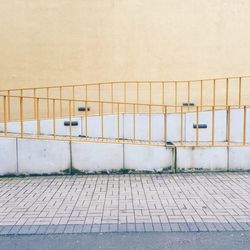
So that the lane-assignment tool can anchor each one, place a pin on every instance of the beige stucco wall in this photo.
(47, 42)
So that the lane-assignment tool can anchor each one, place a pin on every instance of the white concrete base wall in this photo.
(43, 157)
(147, 158)
(8, 156)
(239, 158)
(126, 122)
(205, 134)
(110, 126)
(205, 158)
(91, 157)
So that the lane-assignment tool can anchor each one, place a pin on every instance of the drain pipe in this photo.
(171, 145)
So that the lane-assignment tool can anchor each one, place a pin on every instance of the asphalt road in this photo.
(127, 241)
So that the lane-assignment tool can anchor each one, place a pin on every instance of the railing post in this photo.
(74, 106)
(37, 118)
(188, 95)
(54, 118)
(5, 115)
(226, 92)
(239, 92)
(228, 125)
(112, 97)
(118, 121)
(201, 97)
(99, 97)
(70, 119)
(214, 86)
(134, 128)
(8, 105)
(149, 129)
(125, 96)
(245, 125)
(163, 96)
(34, 99)
(48, 111)
(86, 119)
(165, 124)
(150, 93)
(175, 96)
(137, 96)
(21, 115)
(181, 126)
(213, 126)
(102, 121)
(60, 101)
(197, 124)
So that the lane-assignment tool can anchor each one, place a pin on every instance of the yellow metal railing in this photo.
(135, 98)
(31, 125)
(213, 92)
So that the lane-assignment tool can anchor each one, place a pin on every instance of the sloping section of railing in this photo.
(209, 112)
(207, 92)
(146, 124)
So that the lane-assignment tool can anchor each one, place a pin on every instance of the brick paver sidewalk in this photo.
(118, 203)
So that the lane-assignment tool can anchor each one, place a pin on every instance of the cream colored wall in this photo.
(46, 42)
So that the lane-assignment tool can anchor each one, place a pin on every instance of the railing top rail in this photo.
(121, 82)
(123, 103)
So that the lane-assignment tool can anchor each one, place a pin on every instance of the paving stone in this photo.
(140, 227)
(113, 228)
(125, 203)
(166, 227)
(42, 229)
(14, 229)
(157, 227)
(96, 228)
(122, 227)
(60, 229)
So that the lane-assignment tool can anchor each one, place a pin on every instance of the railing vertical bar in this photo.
(188, 95)
(165, 124)
(137, 96)
(34, 96)
(134, 124)
(102, 121)
(70, 119)
(176, 96)
(245, 125)
(197, 125)
(86, 119)
(54, 118)
(4, 115)
(201, 95)
(21, 115)
(149, 130)
(228, 125)
(37, 117)
(214, 91)
(99, 97)
(181, 126)
(48, 111)
(125, 96)
(8, 105)
(60, 101)
(150, 93)
(163, 97)
(118, 120)
(240, 91)
(213, 126)
(112, 97)
(227, 92)
(74, 106)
